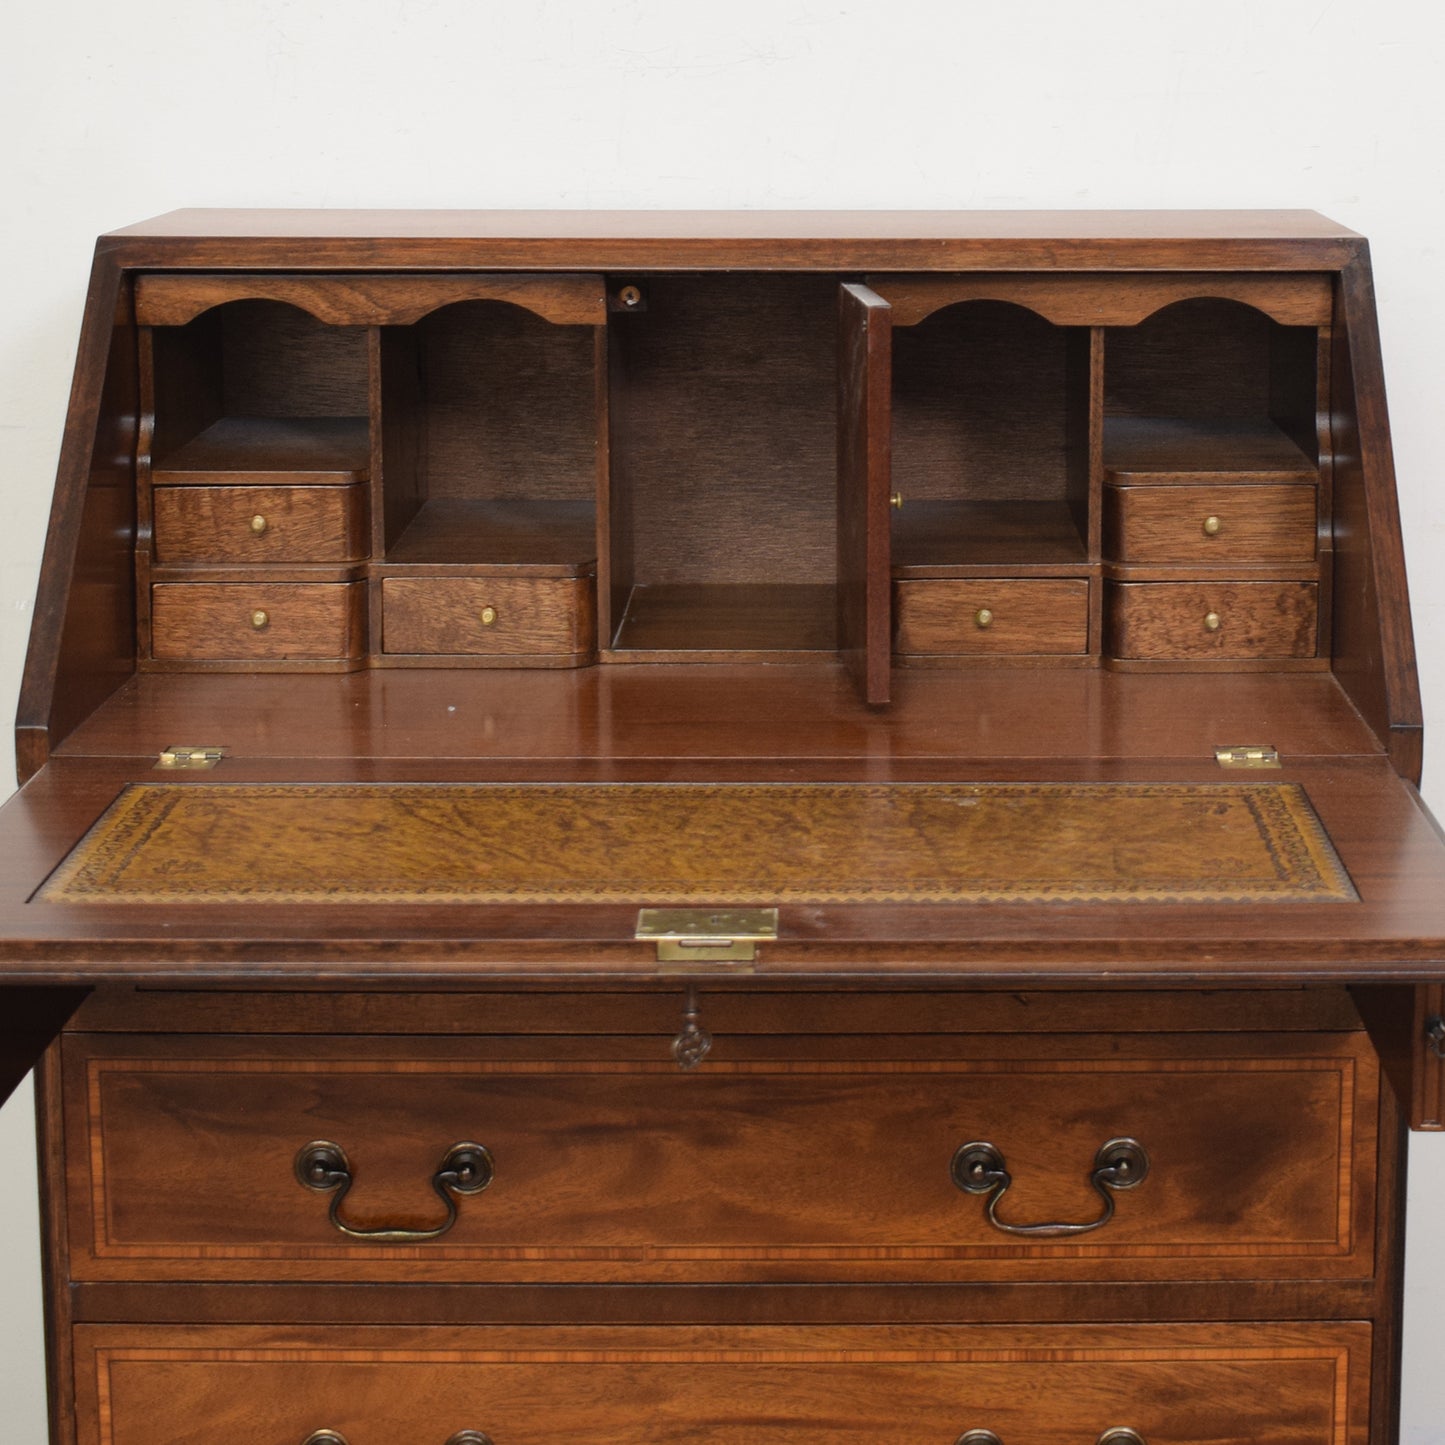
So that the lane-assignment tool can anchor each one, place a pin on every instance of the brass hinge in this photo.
(189, 757)
(707, 935)
(1248, 755)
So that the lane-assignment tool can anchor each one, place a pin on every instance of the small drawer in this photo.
(822, 1161)
(1127, 1384)
(489, 616)
(260, 524)
(1211, 524)
(992, 616)
(1231, 621)
(272, 621)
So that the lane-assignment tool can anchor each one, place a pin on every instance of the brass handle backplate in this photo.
(979, 1168)
(335, 1437)
(1435, 1036)
(324, 1167)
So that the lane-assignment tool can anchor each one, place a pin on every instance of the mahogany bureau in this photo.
(692, 828)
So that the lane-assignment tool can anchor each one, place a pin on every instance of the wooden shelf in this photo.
(698, 620)
(261, 446)
(1199, 446)
(557, 537)
(932, 537)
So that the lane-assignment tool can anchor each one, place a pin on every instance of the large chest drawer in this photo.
(1040, 1385)
(799, 1159)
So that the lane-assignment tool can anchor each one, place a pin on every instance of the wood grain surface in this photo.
(360, 300)
(1256, 619)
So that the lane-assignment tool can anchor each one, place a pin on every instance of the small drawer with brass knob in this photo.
(257, 621)
(1201, 619)
(1211, 524)
(549, 618)
(273, 525)
(981, 616)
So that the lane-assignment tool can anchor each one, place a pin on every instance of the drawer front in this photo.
(195, 621)
(1269, 1384)
(771, 1161)
(1225, 620)
(1211, 524)
(986, 616)
(496, 616)
(259, 524)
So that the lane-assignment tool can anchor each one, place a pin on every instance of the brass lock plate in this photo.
(707, 935)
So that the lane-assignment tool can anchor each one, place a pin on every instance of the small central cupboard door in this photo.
(865, 472)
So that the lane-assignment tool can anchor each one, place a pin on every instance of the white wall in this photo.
(114, 112)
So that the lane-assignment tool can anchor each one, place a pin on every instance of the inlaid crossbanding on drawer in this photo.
(1270, 1384)
(776, 1159)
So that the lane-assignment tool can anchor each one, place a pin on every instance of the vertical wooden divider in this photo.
(865, 474)
(1094, 538)
(602, 393)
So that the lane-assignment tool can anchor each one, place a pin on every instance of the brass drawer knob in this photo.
(983, 618)
(1212, 621)
(260, 619)
(1212, 526)
(895, 500)
(489, 616)
(258, 524)
(325, 1437)
(979, 1168)
(978, 1437)
(1120, 1436)
(323, 1166)
(475, 1437)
